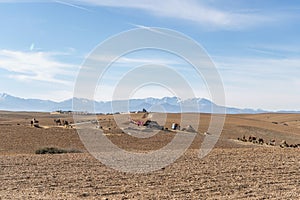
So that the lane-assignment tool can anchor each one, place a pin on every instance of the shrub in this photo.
(55, 150)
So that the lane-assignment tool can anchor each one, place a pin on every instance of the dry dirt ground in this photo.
(233, 170)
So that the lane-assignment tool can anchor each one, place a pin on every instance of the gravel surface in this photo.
(233, 170)
(262, 173)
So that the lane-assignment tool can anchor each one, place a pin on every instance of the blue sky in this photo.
(254, 44)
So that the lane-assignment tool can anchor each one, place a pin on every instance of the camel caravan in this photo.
(58, 122)
(284, 144)
(272, 142)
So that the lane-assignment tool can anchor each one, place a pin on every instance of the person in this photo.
(173, 126)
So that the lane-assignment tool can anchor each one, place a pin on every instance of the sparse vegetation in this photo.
(55, 150)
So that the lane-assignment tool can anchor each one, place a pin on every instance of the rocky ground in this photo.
(224, 174)
(233, 170)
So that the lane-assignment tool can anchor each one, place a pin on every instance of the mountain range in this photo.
(166, 104)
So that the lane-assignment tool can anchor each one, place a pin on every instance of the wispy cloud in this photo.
(264, 51)
(133, 61)
(277, 49)
(35, 66)
(156, 30)
(72, 5)
(63, 2)
(195, 11)
(204, 13)
(260, 66)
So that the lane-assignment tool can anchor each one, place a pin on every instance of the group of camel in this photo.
(256, 140)
(284, 144)
(272, 142)
(64, 123)
(58, 122)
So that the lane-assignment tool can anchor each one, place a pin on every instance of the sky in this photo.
(254, 45)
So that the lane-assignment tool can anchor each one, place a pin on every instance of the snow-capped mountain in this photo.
(8, 102)
(166, 104)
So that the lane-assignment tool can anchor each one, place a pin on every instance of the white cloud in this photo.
(36, 66)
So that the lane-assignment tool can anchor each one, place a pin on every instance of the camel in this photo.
(57, 122)
(244, 138)
(66, 124)
(284, 144)
(272, 142)
(252, 139)
(260, 141)
(34, 122)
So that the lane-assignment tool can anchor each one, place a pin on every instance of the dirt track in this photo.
(233, 170)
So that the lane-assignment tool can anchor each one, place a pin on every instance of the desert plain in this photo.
(234, 169)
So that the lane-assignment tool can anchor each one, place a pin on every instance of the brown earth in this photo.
(233, 170)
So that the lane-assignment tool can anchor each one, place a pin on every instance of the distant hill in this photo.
(166, 104)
